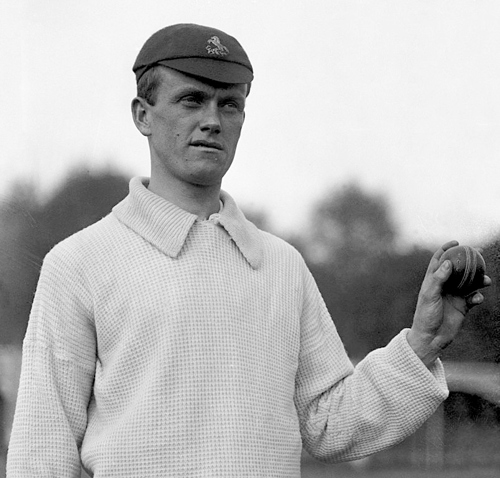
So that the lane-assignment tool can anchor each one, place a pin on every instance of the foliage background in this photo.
(368, 280)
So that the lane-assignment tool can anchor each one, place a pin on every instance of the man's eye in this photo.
(191, 100)
(232, 105)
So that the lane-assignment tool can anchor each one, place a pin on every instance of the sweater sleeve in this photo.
(57, 375)
(348, 412)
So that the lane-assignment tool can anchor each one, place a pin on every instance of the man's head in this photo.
(190, 103)
(202, 52)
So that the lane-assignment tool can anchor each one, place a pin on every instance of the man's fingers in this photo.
(434, 263)
(449, 245)
(443, 272)
(475, 299)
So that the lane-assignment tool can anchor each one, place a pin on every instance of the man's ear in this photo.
(140, 115)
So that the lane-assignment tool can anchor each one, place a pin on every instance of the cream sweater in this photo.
(160, 345)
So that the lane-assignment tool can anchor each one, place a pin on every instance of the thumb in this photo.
(443, 272)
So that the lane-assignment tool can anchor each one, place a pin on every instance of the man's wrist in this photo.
(424, 347)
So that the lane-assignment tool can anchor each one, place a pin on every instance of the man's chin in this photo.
(207, 178)
(209, 171)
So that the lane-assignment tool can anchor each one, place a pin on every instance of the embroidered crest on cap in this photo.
(215, 47)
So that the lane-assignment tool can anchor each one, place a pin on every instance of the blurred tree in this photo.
(80, 200)
(31, 227)
(19, 261)
(351, 228)
(369, 287)
(374, 305)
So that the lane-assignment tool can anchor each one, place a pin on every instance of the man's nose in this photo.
(210, 120)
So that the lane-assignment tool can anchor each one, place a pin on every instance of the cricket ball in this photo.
(468, 270)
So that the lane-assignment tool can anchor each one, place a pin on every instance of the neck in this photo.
(202, 201)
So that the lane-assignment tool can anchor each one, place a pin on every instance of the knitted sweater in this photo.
(160, 345)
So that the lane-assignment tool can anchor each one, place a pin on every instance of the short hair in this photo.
(148, 84)
(150, 81)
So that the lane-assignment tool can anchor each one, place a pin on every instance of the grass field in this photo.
(345, 471)
(312, 470)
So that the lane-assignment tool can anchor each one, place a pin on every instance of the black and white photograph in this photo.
(250, 238)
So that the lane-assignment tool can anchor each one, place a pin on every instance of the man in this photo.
(173, 338)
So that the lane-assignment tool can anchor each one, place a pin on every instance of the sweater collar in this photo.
(166, 226)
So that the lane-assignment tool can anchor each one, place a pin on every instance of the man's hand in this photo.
(438, 317)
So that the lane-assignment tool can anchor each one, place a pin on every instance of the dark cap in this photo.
(196, 50)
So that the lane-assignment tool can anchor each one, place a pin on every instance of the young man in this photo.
(173, 338)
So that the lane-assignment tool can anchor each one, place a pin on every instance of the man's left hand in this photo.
(439, 317)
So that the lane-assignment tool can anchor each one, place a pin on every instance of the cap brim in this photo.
(211, 69)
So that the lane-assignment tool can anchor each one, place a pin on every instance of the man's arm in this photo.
(346, 413)
(56, 378)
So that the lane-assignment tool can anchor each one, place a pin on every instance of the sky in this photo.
(400, 96)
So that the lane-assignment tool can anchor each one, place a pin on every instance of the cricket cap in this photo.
(196, 50)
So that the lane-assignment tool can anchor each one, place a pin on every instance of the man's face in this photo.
(194, 128)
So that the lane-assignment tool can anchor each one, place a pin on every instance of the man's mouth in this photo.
(207, 144)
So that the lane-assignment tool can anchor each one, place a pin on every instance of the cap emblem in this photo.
(215, 47)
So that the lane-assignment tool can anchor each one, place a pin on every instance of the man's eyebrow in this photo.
(232, 93)
(191, 90)
(228, 93)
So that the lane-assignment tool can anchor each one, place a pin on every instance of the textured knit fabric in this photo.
(160, 345)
